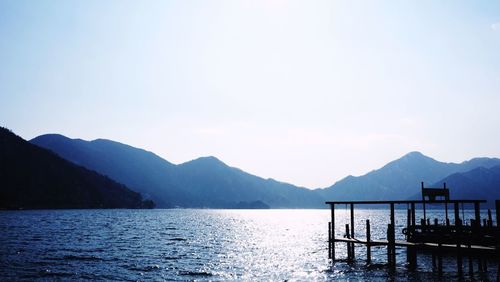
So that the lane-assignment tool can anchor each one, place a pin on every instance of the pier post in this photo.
(413, 219)
(332, 214)
(393, 237)
(368, 244)
(408, 223)
(423, 200)
(490, 219)
(329, 240)
(352, 231)
(391, 255)
(457, 213)
(348, 236)
(477, 214)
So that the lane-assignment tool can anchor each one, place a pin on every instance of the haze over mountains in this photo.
(209, 183)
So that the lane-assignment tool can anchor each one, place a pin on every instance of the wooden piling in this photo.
(392, 241)
(423, 204)
(456, 209)
(413, 219)
(477, 214)
(352, 231)
(408, 222)
(329, 240)
(389, 255)
(348, 236)
(490, 219)
(368, 246)
(332, 214)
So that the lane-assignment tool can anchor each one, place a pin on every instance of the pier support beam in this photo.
(368, 246)
(329, 240)
(477, 214)
(349, 249)
(332, 236)
(391, 238)
(352, 231)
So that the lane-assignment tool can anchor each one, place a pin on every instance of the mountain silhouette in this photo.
(208, 182)
(32, 177)
(203, 182)
(478, 183)
(400, 179)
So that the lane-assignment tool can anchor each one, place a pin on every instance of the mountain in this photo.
(146, 172)
(399, 179)
(32, 177)
(478, 183)
(204, 182)
(208, 182)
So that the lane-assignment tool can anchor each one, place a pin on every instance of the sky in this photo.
(305, 92)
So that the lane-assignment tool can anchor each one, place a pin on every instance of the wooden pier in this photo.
(475, 242)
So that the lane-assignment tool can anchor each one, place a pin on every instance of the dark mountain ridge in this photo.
(205, 182)
(208, 182)
(32, 178)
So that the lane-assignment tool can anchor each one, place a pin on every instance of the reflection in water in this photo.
(190, 245)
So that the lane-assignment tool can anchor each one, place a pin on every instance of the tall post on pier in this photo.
(413, 219)
(391, 248)
(423, 202)
(477, 214)
(458, 227)
(447, 220)
(456, 209)
(348, 236)
(329, 240)
(408, 223)
(411, 257)
(332, 241)
(368, 243)
(490, 219)
(352, 231)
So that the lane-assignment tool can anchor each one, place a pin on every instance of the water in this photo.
(131, 245)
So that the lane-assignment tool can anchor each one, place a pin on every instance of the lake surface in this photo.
(131, 245)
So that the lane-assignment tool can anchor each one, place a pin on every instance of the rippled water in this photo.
(190, 245)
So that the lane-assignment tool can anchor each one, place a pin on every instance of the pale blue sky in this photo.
(305, 92)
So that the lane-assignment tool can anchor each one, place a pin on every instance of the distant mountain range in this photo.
(35, 178)
(209, 183)
(400, 179)
(478, 183)
(202, 183)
